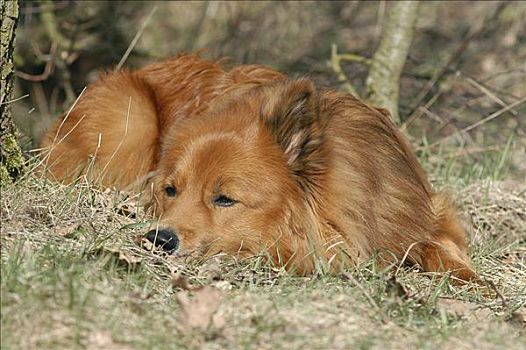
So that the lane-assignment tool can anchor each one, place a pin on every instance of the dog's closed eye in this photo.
(221, 200)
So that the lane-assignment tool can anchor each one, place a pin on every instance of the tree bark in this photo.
(11, 160)
(382, 83)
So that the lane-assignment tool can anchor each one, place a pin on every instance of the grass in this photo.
(72, 277)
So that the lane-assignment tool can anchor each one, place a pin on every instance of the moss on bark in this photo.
(11, 160)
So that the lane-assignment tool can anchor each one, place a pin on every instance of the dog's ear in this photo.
(290, 110)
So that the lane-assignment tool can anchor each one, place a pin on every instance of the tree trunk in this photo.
(11, 160)
(388, 61)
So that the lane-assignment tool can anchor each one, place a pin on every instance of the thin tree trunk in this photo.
(11, 160)
(383, 80)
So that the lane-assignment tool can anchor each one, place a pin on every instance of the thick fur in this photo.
(316, 176)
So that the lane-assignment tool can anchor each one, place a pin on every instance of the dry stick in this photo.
(479, 123)
(494, 115)
(48, 68)
(336, 67)
(421, 111)
(136, 38)
(488, 93)
(91, 165)
(406, 254)
(15, 100)
(473, 150)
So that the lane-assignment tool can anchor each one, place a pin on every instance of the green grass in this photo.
(64, 285)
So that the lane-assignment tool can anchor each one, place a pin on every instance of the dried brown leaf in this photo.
(66, 231)
(211, 270)
(198, 311)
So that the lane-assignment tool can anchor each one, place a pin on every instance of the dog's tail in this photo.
(110, 134)
(448, 249)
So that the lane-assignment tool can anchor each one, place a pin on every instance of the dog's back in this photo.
(113, 132)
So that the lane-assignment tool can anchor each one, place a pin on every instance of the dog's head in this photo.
(243, 177)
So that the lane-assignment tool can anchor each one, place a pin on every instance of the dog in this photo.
(244, 160)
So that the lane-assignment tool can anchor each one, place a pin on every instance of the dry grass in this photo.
(73, 277)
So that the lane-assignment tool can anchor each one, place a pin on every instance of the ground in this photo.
(74, 276)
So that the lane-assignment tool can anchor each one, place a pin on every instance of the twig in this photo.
(479, 123)
(494, 115)
(474, 150)
(48, 69)
(488, 93)
(499, 294)
(336, 67)
(15, 100)
(423, 110)
(136, 38)
(406, 254)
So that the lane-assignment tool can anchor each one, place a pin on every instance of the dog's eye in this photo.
(223, 201)
(170, 191)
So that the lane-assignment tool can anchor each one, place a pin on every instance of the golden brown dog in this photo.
(245, 160)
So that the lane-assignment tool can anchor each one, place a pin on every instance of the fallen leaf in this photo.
(66, 231)
(211, 270)
(198, 311)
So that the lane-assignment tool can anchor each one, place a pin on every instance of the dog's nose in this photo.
(165, 239)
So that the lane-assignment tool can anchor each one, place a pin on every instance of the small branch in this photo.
(354, 58)
(488, 93)
(336, 58)
(479, 123)
(48, 69)
(15, 100)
